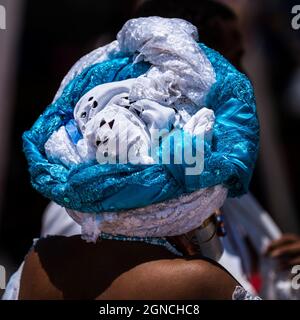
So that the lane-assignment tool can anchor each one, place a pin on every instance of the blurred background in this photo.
(44, 38)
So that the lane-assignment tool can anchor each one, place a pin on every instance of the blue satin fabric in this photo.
(92, 187)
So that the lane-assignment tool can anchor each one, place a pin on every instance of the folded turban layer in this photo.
(155, 76)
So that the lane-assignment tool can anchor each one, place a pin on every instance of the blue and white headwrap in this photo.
(157, 71)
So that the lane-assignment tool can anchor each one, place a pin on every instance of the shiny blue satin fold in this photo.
(92, 187)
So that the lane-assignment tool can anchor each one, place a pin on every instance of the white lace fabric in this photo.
(241, 294)
(168, 218)
(179, 66)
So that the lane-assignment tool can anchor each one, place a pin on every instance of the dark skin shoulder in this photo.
(70, 268)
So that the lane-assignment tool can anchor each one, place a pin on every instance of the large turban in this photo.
(154, 76)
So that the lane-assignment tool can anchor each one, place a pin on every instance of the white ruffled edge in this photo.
(240, 293)
(168, 218)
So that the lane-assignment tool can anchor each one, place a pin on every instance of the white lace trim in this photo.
(168, 218)
(241, 294)
(179, 67)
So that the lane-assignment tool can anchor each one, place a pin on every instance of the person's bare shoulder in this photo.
(69, 268)
(55, 269)
(35, 283)
(173, 279)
